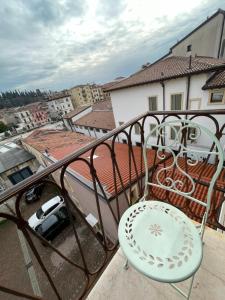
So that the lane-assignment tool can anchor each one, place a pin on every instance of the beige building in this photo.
(208, 39)
(86, 94)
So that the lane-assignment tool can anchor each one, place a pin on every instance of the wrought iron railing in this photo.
(113, 203)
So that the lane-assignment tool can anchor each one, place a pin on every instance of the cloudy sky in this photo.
(56, 44)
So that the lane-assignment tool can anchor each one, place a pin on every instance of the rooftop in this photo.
(75, 112)
(98, 119)
(56, 139)
(217, 80)
(170, 68)
(11, 156)
(102, 105)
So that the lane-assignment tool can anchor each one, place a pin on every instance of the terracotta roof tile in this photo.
(98, 119)
(102, 105)
(216, 81)
(168, 68)
(55, 139)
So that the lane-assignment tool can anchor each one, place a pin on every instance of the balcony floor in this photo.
(209, 284)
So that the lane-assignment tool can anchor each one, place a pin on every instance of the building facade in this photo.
(87, 94)
(170, 84)
(31, 116)
(58, 106)
(208, 39)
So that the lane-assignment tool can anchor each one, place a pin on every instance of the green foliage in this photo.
(3, 127)
(19, 98)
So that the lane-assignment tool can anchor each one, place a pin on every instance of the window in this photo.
(216, 97)
(20, 175)
(97, 129)
(137, 129)
(152, 127)
(174, 131)
(104, 131)
(124, 141)
(138, 144)
(189, 48)
(152, 103)
(176, 102)
(121, 123)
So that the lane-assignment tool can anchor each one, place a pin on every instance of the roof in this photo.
(61, 144)
(43, 140)
(98, 119)
(102, 105)
(75, 112)
(202, 171)
(12, 156)
(219, 11)
(170, 68)
(103, 159)
(108, 85)
(217, 80)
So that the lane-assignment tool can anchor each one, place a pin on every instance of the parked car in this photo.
(53, 224)
(34, 193)
(48, 208)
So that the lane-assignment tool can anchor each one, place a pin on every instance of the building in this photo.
(31, 116)
(7, 116)
(108, 85)
(16, 164)
(174, 83)
(51, 146)
(59, 105)
(81, 95)
(97, 93)
(95, 123)
(86, 94)
(208, 39)
(71, 117)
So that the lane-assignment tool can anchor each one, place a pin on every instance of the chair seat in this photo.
(160, 241)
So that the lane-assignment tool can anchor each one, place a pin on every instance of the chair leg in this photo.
(187, 296)
(190, 287)
(126, 266)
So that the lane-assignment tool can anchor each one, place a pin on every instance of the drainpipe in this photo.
(221, 35)
(164, 102)
(188, 92)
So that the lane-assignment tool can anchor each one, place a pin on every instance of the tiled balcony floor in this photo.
(209, 284)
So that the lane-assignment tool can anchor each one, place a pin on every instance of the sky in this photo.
(57, 44)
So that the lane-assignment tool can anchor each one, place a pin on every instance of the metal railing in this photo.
(122, 189)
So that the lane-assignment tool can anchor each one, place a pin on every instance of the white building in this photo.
(175, 83)
(208, 39)
(59, 106)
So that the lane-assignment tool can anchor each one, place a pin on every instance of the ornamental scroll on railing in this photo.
(179, 174)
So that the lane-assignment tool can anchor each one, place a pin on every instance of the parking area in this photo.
(68, 279)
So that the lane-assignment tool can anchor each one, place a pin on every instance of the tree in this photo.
(3, 127)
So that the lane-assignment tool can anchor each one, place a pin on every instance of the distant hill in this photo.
(19, 98)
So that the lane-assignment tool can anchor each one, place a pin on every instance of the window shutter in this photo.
(152, 103)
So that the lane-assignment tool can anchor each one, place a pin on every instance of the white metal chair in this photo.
(158, 239)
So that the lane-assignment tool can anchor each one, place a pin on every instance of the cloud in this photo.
(58, 44)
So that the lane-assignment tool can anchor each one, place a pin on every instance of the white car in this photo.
(46, 210)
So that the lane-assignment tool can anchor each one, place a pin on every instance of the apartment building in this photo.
(208, 39)
(174, 83)
(31, 116)
(59, 105)
(86, 94)
(97, 93)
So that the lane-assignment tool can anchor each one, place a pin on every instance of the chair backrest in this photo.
(178, 156)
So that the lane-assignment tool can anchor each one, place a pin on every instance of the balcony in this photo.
(86, 260)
